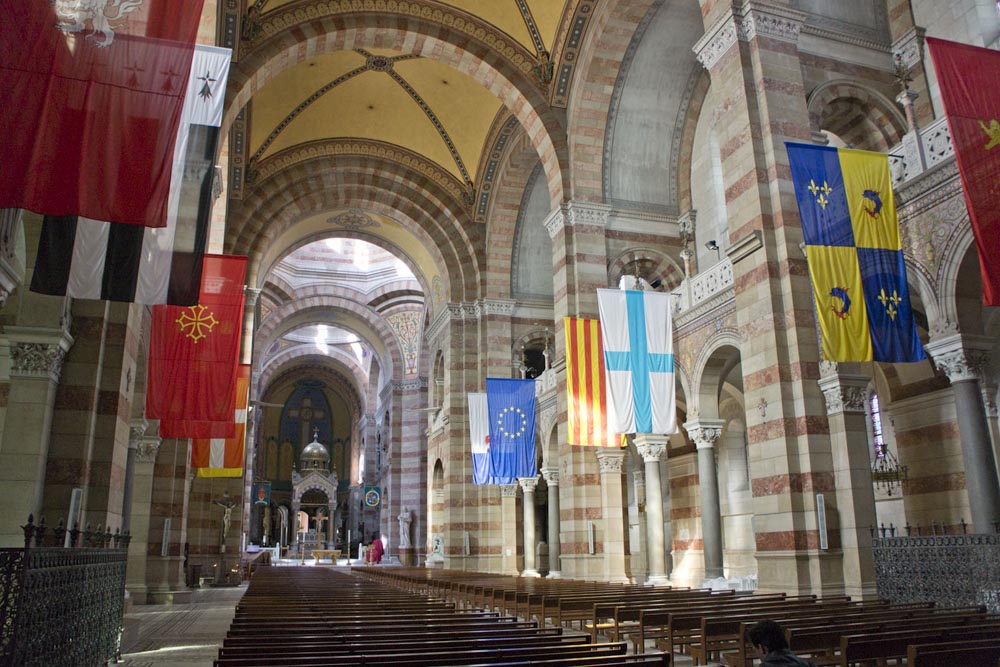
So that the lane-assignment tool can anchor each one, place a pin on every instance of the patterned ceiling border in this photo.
(503, 128)
(238, 152)
(529, 22)
(288, 16)
(328, 148)
(567, 46)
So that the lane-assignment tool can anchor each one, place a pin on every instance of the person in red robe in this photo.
(377, 550)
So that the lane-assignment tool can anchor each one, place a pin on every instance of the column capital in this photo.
(844, 393)
(960, 356)
(146, 448)
(508, 490)
(529, 484)
(551, 475)
(611, 460)
(651, 447)
(38, 352)
(251, 294)
(910, 47)
(137, 429)
(704, 432)
(577, 213)
(753, 19)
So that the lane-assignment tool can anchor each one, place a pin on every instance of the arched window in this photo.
(878, 439)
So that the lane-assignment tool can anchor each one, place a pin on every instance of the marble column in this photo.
(962, 358)
(846, 399)
(508, 517)
(652, 449)
(613, 506)
(551, 476)
(705, 433)
(528, 485)
(36, 359)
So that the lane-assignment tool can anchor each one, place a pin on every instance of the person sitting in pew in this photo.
(772, 647)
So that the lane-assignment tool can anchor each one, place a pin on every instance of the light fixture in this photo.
(712, 245)
(886, 471)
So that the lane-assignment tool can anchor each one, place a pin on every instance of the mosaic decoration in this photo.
(406, 326)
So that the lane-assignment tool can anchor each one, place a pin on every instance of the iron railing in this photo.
(62, 606)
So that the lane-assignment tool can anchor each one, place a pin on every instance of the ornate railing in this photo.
(62, 606)
(951, 570)
(935, 141)
(704, 285)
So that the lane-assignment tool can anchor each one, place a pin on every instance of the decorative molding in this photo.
(910, 47)
(413, 384)
(497, 306)
(587, 213)
(746, 246)
(551, 475)
(611, 460)
(745, 24)
(529, 484)
(503, 128)
(568, 44)
(555, 222)
(508, 490)
(37, 360)
(353, 219)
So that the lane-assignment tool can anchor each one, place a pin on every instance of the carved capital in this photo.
(252, 294)
(587, 213)
(555, 222)
(751, 20)
(497, 306)
(652, 447)
(844, 393)
(610, 460)
(529, 484)
(961, 357)
(551, 476)
(910, 47)
(508, 490)
(147, 447)
(137, 429)
(36, 360)
(704, 433)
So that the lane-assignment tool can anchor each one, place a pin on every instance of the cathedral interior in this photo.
(424, 189)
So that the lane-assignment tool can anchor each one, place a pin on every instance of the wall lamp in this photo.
(712, 245)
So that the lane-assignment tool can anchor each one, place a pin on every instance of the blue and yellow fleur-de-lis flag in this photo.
(855, 258)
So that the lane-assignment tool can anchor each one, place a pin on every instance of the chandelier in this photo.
(887, 474)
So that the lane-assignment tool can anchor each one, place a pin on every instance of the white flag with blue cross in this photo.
(639, 360)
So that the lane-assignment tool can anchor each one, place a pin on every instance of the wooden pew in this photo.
(949, 654)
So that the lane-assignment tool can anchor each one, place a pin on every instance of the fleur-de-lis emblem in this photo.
(890, 303)
(820, 192)
(195, 323)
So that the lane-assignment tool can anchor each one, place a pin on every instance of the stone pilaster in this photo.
(613, 501)
(171, 485)
(143, 448)
(551, 476)
(652, 449)
(528, 486)
(36, 358)
(579, 265)
(508, 514)
(705, 433)
(962, 358)
(854, 499)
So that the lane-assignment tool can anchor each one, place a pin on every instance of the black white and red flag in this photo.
(93, 92)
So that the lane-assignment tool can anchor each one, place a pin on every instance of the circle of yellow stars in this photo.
(514, 411)
(196, 324)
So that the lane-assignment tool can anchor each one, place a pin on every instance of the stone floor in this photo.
(180, 635)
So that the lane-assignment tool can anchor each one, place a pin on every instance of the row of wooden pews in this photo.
(711, 625)
(318, 617)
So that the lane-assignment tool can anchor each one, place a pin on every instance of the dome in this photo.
(315, 455)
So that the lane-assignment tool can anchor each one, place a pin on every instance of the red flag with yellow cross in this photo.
(193, 354)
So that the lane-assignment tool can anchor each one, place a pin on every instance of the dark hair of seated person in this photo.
(768, 634)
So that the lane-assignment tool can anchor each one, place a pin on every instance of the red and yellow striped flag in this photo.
(586, 392)
(223, 457)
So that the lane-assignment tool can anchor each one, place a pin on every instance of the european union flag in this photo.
(512, 429)
(855, 257)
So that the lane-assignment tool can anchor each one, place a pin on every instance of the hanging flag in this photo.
(586, 388)
(193, 351)
(93, 94)
(479, 431)
(638, 360)
(223, 457)
(969, 77)
(90, 259)
(512, 429)
(855, 258)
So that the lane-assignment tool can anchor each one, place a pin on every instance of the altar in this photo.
(314, 501)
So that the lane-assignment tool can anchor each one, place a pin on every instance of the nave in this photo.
(332, 617)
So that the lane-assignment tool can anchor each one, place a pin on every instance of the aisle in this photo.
(180, 635)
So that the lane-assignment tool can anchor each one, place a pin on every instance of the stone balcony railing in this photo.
(705, 286)
(910, 158)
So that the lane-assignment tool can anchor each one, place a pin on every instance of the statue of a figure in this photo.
(227, 504)
(405, 518)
